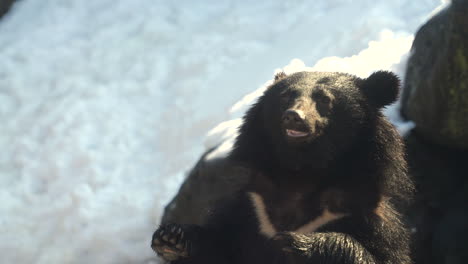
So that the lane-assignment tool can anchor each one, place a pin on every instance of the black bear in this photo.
(329, 170)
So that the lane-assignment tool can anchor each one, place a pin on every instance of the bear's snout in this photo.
(295, 125)
(293, 117)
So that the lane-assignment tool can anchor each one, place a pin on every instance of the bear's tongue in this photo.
(295, 133)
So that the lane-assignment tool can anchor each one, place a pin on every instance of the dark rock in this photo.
(207, 182)
(440, 212)
(5, 6)
(435, 96)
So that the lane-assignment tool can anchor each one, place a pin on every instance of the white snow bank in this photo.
(104, 105)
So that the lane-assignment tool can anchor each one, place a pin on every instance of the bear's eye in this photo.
(284, 96)
(325, 99)
(321, 98)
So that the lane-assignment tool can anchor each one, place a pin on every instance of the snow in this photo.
(105, 104)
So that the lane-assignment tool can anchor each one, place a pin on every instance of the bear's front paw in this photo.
(170, 243)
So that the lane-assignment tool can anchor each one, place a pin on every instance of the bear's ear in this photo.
(381, 88)
(279, 76)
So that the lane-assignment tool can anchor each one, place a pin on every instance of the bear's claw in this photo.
(169, 243)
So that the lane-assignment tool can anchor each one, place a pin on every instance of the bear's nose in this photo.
(291, 115)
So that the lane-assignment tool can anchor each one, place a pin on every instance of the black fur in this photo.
(382, 88)
(351, 162)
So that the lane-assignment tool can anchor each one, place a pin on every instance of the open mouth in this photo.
(295, 133)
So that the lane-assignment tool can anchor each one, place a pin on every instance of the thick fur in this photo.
(327, 197)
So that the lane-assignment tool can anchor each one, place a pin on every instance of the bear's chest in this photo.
(289, 213)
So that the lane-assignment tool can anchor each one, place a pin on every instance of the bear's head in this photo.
(313, 117)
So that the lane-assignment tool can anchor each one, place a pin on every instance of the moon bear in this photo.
(329, 171)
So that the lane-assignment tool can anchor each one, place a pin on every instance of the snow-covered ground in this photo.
(105, 104)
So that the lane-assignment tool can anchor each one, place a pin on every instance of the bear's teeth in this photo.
(295, 133)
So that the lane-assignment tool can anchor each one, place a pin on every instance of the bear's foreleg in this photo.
(188, 244)
(321, 248)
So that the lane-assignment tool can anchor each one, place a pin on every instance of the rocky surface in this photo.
(440, 212)
(436, 98)
(436, 86)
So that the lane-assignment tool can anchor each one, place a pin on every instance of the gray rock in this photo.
(439, 213)
(435, 95)
(207, 182)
